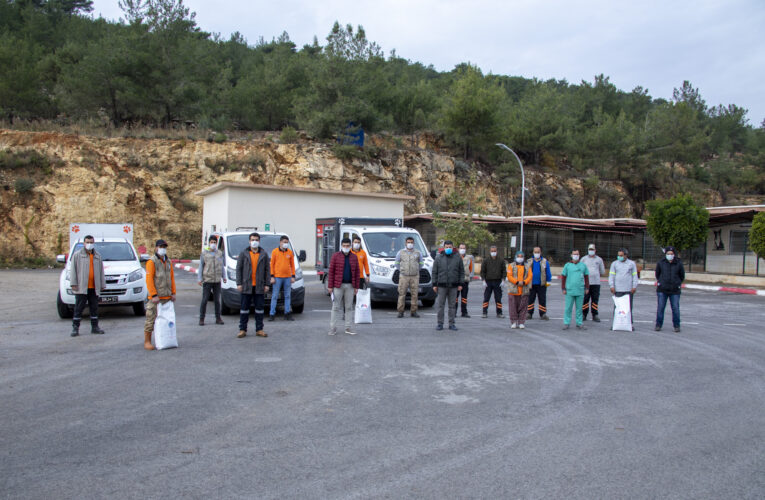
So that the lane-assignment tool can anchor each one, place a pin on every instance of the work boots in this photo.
(75, 328)
(147, 341)
(94, 328)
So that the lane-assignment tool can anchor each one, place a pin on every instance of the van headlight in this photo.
(381, 270)
(298, 274)
(135, 276)
(231, 274)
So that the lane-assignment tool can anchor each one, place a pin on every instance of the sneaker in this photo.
(439, 327)
(581, 327)
(271, 317)
(485, 315)
(349, 331)
(500, 315)
(596, 319)
(657, 328)
(201, 322)
(677, 329)
(566, 327)
(332, 332)
(242, 334)
(453, 327)
(288, 317)
(400, 315)
(521, 326)
(544, 317)
(514, 326)
(414, 314)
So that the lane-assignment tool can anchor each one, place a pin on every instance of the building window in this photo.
(738, 242)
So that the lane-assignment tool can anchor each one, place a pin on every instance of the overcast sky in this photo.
(718, 45)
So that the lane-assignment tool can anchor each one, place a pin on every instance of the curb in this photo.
(183, 267)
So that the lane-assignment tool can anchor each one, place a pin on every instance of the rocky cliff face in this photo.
(151, 183)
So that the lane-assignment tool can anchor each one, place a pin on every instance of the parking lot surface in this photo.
(397, 411)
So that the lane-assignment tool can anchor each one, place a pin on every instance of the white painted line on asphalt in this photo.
(687, 323)
(321, 310)
(734, 324)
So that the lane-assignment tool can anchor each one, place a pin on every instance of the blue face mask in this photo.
(448, 251)
(620, 258)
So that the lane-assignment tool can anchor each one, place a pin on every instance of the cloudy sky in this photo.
(718, 45)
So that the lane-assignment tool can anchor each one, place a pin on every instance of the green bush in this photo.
(219, 138)
(24, 185)
(10, 160)
(288, 136)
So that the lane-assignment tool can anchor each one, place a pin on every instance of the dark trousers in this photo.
(621, 294)
(462, 296)
(492, 286)
(537, 291)
(255, 301)
(206, 289)
(592, 295)
(674, 302)
(80, 301)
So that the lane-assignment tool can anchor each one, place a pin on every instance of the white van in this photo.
(125, 277)
(381, 239)
(232, 244)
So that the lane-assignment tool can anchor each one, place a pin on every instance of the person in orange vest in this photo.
(86, 278)
(519, 276)
(363, 261)
(282, 277)
(160, 283)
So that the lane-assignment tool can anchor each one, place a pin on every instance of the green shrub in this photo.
(10, 160)
(288, 136)
(24, 185)
(219, 138)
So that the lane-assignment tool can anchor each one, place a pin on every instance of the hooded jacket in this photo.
(669, 276)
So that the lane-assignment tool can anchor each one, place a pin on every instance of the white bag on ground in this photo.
(164, 326)
(622, 317)
(363, 307)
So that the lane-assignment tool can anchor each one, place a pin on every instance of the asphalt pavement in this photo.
(397, 411)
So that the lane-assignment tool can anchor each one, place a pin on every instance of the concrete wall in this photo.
(723, 261)
(294, 213)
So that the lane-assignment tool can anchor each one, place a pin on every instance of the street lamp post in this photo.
(523, 188)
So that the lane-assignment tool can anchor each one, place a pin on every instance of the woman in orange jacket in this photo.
(519, 276)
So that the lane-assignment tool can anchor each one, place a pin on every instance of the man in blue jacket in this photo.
(541, 276)
(670, 275)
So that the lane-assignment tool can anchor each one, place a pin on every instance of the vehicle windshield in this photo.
(238, 242)
(387, 245)
(112, 250)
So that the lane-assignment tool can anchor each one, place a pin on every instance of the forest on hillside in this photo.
(156, 67)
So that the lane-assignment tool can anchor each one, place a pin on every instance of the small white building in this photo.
(291, 210)
(727, 245)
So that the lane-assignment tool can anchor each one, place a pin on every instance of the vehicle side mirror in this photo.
(302, 256)
(61, 259)
(145, 257)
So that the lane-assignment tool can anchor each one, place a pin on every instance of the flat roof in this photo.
(538, 219)
(219, 186)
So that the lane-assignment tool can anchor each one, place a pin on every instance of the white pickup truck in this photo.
(125, 277)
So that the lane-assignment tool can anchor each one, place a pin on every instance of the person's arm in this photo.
(330, 271)
(267, 270)
(172, 280)
(200, 267)
(586, 281)
(612, 277)
(292, 264)
(548, 273)
(240, 271)
(397, 262)
(483, 269)
(634, 277)
(421, 260)
(74, 279)
(223, 273)
(365, 263)
(273, 262)
(601, 267)
(682, 272)
(103, 274)
(356, 280)
(657, 272)
(150, 271)
(563, 283)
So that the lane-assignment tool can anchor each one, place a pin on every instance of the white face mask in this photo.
(162, 252)
(285, 246)
(213, 247)
(575, 257)
(493, 254)
(462, 251)
(670, 257)
(345, 250)
(537, 255)
(356, 246)
(255, 244)
(88, 246)
(519, 260)
(591, 252)
(410, 246)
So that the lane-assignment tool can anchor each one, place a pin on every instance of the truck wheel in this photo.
(428, 303)
(298, 309)
(64, 311)
(139, 309)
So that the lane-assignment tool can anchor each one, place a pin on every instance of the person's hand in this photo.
(292, 280)
(459, 288)
(435, 289)
(75, 287)
(224, 280)
(239, 288)
(329, 290)
(172, 298)
(273, 280)
(355, 291)
(199, 283)
(155, 300)
(633, 290)
(612, 290)
(563, 291)
(266, 289)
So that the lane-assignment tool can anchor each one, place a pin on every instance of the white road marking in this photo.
(321, 310)
(734, 324)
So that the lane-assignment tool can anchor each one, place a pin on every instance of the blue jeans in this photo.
(286, 284)
(251, 301)
(674, 302)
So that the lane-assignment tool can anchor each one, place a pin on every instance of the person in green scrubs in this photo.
(574, 281)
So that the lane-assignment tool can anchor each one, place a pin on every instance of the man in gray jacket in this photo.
(596, 268)
(448, 273)
(209, 275)
(623, 277)
(87, 280)
(253, 276)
